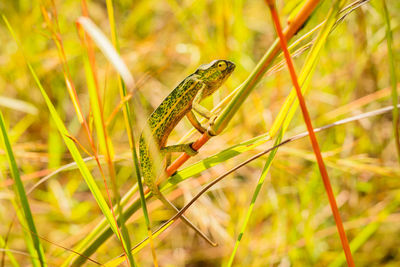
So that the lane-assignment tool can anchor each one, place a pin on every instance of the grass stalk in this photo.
(38, 259)
(393, 78)
(129, 128)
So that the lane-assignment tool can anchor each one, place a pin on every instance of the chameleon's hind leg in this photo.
(187, 148)
(167, 203)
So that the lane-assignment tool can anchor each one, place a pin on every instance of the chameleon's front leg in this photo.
(203, 112)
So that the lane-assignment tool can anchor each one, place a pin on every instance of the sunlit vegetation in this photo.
(73, 104)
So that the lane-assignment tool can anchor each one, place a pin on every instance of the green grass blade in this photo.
(29, 243)
(108, 50)
(77, 157)
(129, 123)
(101, 232)
(106, 146)
(9, 253)
(216, 159)
(19, 105)
(20, 192)
(393, 77)
(117, 261)
(264, 173)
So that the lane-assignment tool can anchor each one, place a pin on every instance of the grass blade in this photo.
(108, 50)
(8, 252)
(129, 123)
(20, 192)
(393, 77)
(106, 146)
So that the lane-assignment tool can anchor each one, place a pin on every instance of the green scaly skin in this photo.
(180, 102)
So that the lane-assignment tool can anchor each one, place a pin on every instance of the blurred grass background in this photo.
(164, 41)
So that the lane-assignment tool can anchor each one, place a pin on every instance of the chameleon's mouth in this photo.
(230, 66)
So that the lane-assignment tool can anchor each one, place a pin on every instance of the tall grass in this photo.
(70, 115)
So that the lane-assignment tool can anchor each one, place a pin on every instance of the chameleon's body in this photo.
(180, 102)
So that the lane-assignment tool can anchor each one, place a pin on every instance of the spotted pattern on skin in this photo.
(175, 106)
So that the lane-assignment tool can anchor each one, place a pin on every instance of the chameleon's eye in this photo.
(221, 65)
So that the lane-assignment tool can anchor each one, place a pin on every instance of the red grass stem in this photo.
(314, 142)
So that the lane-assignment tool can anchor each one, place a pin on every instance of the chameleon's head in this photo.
(215, 73)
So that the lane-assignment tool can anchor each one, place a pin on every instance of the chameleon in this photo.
(182, 101)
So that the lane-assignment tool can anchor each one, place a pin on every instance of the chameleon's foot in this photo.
(212, 119)
(210, 129)
(188, 149)
(168, 159)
